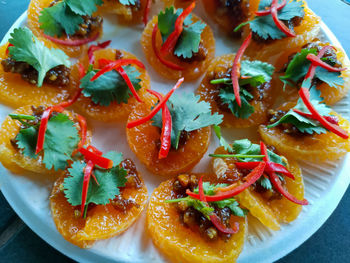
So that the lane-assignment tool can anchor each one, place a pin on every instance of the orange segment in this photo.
(181, 244)
(16, 92)
(210, 93)
(144, 138)
(192, 70)
(115, 111)
(315, 148)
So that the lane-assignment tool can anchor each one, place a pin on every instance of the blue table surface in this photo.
(330, 243)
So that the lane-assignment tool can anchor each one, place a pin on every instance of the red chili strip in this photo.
(154, 111)
(165, 62)
(126, 78)
(146, 12)
(281, 26)
(7, 49)
(268, 10)
(165, 137)
(247, 165)
(43, 126)
(213, 217)
(72, 42)
(97, 159)
(236, 68)
(305, 96)
(331, 119)
(94, 48)
(83, 130)
(316, 61)
(87, 174)
(170, 43)
(312, 69)
(116, 64)
(94, 150)
(251, 178)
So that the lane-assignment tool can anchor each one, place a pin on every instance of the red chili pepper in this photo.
(72, 42)
(87, 174)
(305, 96)
(125, 76)
(94, 48)
(331, 119)
(213, 217)
(251, 178)
(170, 43)
(116, 64)
(316, 61)
(236, 68)
(7, 49)
(312, 69)
(146, 12)
(94, 150)
(165, 137)
(43, 126)
(154, 111)
(281, 26)
(165, 62)
(97, 159)
(268, 10)
(83, 130)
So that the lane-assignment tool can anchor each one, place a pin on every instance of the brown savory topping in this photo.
(133, 179)
(199, 56)
(118, 54)
(90, 24)
(123, 204)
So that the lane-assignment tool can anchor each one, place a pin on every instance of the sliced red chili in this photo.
(165, 62)
(154, 111)
(97, 159)
(170, 43)
(146, 12)
(94, 150)
(116, 64)
(305, 96)
(251, 178)
(281, 26)
(236, 68)
(83, 130)
(312, 69)
(331, 119)
(7, 49)
(268, 10)
(128, 82)
(165, 137)
(94, 48)
(316, 61)
(87, 174)
(73, 42)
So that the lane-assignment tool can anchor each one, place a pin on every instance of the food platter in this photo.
(28, 195)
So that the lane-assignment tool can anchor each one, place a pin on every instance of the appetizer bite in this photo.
(114, 82)
(174, 139)
(69, 24)
(33, 71)
(97, 198)
(279, 26)
(41, 139)
(270, 187)
(332, 78)
(178, 44)
(186, 229)
(307, 130)
(239, 90)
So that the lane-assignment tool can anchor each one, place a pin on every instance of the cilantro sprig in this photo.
(61, 139)
(66, 16)
(188, 114)
(110, 87)
(109, 182)
(27, 48)
(303, 124)
(254, 74)
(188, 42)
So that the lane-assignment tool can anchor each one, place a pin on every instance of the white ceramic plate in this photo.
(29, 196)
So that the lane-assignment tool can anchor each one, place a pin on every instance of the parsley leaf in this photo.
(66, 16)
(265, 27)
(188, 114)
(188, 42)
(27, 48)
(109, 182)
(304, 124)
(110, 87)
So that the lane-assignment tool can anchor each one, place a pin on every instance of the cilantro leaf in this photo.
(110, 87)
(127, 2)
(188, 114)
(223, 142)
(109, 182)
(84, 7)
(26, 141)
(209, 189)
(258, 71)
(304, 124)
(188, 42)
(265, 183)
(333, 79)
(61, 139)
(27, 48)
(233, 205)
